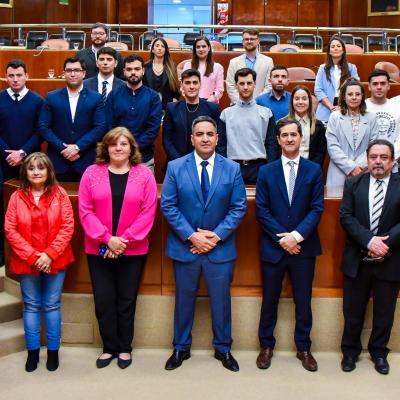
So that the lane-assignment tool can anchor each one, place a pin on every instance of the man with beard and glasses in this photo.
(370, 215)
(137, 108)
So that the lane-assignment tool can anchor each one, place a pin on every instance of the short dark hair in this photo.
(74, 60)
(278, 67)
(204, 118)
(245, 72)
(107, 50)
(188, 73)
(250, 31)
(382, 142)
(378, 72)
(100, 25)
(132, 58)
(16, 63)
(286, 121)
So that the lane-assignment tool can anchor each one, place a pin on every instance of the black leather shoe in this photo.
(348, 363)
(32, 360)
(124, 363)
(381, 365)
(227, 360)
(176, 359)
(52, 360)
(104, 362)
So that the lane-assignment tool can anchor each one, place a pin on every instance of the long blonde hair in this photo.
(310, 112)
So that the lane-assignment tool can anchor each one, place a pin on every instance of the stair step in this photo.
(12, 337)
(10, 307)
(2, 275)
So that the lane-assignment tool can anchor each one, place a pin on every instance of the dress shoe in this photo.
(124, 363)
(104, 362)
(307, 360)
(264, 358)
(227, 360)
(32, 360)
(52, 360)
(381, 365)
(348, 363)
(176, 359)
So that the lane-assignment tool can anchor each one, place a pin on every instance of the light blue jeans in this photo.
(42, 291)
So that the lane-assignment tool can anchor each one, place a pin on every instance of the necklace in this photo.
(159, 70)
(193, 111)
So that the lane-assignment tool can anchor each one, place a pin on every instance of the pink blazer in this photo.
(137, 213)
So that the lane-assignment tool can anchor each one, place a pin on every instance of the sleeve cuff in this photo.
(297, 236)
(369, 243)
(31, 259)
(51, 253)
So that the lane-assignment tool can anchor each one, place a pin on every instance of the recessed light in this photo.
(177, 1)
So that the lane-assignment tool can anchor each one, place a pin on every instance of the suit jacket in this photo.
(326, 89)
(183, 207)
(88, 57)
(176, 137)
(93, 83)
(262, 67)
(354, 217)
(276, 215)
(344, 157)
(56, 127)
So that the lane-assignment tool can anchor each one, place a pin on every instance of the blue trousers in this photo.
(218, 278)
(39, 292)
(301, 271)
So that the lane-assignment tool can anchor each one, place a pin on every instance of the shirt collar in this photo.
(242, 103)
(199, 160)
(285, 160)
(22, 93)
(304, 119)
(110, 80)
(284, 94)
(372, 180)
(75, 95)
(252, 59)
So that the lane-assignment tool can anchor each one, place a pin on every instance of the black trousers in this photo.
(115, 288)
(250, 172)
(356, 294)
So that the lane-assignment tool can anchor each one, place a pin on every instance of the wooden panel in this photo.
(6, 15)
(353, 12)
(313, 13)
(57, 13)
(28, 12)
(278, 12)
(242, 14)
(133, 12)
(98, 11)
(389, 21)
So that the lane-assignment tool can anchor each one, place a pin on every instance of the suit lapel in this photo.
(299, 178)
(281, 181)
(81, 102)
(361, 130)
(393, 186)
(347, 129)
(363, 200)
(182, 112)
(67, 105)
(217, 171)
(194, 177)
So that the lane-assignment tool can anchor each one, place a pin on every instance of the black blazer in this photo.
(175, 130)
(317, 149)
(88, 57)
(93, 83)
(354, 217)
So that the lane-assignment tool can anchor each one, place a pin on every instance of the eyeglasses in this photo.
(98, 33)
(73, 70)
(250, 39)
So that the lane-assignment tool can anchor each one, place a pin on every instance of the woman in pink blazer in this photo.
(117, 206)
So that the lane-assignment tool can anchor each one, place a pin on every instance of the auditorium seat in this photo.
(216, 46)
(268, 39)
(35, 39)
(118, 46)
(146, 38)
(304, 40)
(301, 74)
(190, 37)
(284, 48)
(56, 44)
(76, 37)
(390, 68)
(353, 49)
(126, 38)
(172, 43)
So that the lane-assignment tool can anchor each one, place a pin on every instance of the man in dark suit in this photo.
(371, 259)
(177, 126)
(204, 201)
(99, 38)
(289, 204)
(105, 81)
(72, 121)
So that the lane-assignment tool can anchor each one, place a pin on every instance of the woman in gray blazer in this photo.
(349, 131)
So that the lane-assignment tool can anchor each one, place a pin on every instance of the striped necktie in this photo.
(292, 180)
(377, 205)
(104, 92)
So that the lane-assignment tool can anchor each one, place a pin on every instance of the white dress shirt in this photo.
(109, 81)
(305, 130)
(22, 93)
(209, 168)
(73, 101)
(286, 173)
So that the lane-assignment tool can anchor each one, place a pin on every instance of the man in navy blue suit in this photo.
(177, 126)
(289, 204)
(72, 121)
(204, 201)
(105, 80)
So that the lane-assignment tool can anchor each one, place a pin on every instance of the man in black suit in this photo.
(177, 126)
(371, 260)
(88, 55)
(105, 81)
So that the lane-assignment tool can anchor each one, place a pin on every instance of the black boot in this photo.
(52, 360)
(32, 360)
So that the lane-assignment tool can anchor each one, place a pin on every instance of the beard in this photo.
(134, 80)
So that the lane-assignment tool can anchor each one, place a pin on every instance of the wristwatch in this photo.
(76, 148)
(22, 154)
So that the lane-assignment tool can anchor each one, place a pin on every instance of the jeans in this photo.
(42, 291)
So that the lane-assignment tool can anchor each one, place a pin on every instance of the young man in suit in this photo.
(72, 121)
(105, 81)
(371, 259)
(252, 59)
(204, 201)
(179, 116)
(289, 204)
(99, 39)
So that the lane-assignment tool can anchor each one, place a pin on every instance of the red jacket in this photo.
(60, 227)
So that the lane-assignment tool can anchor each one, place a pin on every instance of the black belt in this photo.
(251, 162)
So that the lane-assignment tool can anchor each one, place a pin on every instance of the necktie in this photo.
(16, 95)
(292, 180)
(104, 92)
(377, 205)
(205, 180)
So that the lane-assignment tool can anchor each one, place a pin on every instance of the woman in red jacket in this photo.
(39, 224)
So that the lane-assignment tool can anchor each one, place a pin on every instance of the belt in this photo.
(251, 162)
